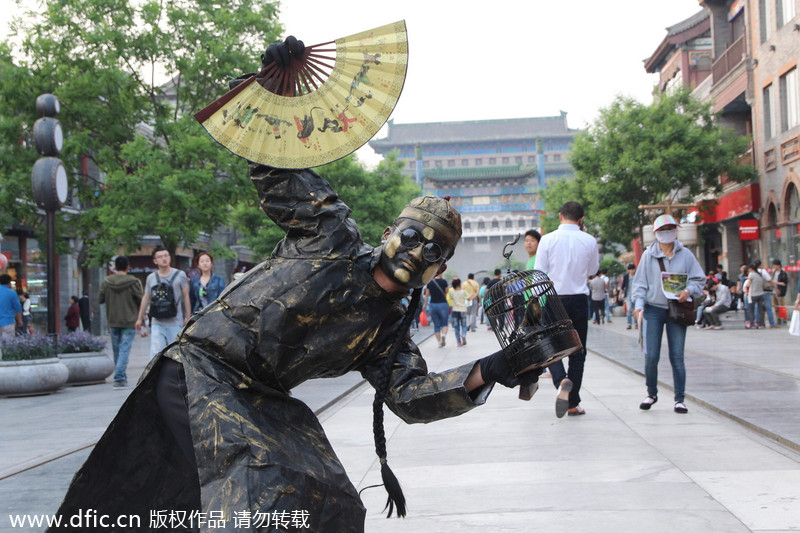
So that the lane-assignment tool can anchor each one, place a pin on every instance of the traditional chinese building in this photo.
(494, 171)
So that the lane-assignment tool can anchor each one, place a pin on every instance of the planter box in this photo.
(87, 368)
(29, 378)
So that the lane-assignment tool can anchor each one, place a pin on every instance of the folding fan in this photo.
(321, 107)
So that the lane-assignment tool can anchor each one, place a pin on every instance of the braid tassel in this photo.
(396, 499)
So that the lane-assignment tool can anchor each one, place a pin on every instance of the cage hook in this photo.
(507, 253)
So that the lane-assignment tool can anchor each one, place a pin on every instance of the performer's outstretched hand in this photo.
(281, 53)
(495, 369)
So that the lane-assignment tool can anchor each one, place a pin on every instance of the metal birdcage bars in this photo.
(529, 320)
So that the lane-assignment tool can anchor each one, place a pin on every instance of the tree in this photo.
(108, 61)
(639, 154)
(375, 197)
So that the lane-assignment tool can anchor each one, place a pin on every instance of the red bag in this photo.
(782, 312)
(423, 319)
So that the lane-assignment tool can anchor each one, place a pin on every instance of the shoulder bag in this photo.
(682, 313)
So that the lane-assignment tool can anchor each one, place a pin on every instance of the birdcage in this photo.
(529, 320)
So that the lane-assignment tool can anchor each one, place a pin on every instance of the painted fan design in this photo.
(330, 102)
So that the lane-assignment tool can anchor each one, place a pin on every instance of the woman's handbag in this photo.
(682, 313)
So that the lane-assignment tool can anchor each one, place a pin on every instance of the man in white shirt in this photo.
(569, 256)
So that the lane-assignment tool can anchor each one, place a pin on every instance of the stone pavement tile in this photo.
(763, 500)
(512, 466)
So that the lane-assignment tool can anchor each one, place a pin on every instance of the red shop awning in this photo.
(731, 205)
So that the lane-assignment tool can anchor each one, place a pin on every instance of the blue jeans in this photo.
(460, 325)
(577, 308)
(121, 341)
(767, 306)
(160, 336)
(629, 313)
(654, 320)
(439, 315)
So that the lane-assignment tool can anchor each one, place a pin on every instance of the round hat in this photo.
(664, 220)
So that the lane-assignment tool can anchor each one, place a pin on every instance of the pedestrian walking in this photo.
(569, 256)
(473, 301)
(459, 314)
(122, 295)
(206, 286)
(10, 308)
(437, 307)
(25, 302)
(73, 316)
(665, 259)
(780, 281)
(165, 302)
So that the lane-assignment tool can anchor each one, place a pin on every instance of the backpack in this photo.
(162, 298)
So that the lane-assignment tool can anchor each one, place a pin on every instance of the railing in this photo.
(731, 57)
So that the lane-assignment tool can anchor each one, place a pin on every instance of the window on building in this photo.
(465, 162)
(763, 22)
(518, 160)
(767, 104)
(509, 223)
(544, 158)
(438, 164)
(784, 12)
(793, 214)
(478, 162)
(790, 100)
(492, 160)
(505, 160)
(481, 224)
(451, 162)
(556, 157)
(521, 223)
(411, 163)
(467, 225)
(426, 164)
(531, 159)
(495, 223)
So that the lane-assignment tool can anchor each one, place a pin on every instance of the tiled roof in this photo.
(677, 34)
(475, 131)
(689, 23)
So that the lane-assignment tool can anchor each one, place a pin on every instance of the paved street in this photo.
(732, 464)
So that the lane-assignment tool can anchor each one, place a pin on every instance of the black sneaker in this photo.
(121, 385)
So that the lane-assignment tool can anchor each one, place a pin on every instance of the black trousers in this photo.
(171, 398)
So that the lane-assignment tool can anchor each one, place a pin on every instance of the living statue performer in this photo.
(212, 431)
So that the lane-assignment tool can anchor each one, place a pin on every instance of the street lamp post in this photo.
(49, 182)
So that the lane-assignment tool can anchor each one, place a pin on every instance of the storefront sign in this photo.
(733, 204)
(748, 230)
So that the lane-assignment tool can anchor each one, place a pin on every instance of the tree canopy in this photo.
(637, 154)
(128, 75)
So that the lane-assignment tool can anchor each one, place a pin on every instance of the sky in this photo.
(481, 60)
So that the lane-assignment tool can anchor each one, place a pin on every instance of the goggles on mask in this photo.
(410, 239)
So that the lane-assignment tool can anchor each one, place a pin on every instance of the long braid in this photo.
(390, 482)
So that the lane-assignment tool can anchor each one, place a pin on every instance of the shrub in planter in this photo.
(27, 348)
(80, 341)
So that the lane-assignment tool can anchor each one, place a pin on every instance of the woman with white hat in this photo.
(664, 257)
